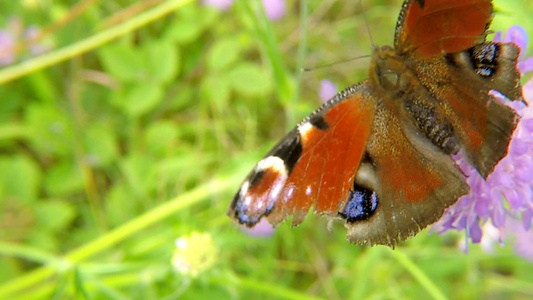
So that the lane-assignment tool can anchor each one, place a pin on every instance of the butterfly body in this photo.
(379, 153)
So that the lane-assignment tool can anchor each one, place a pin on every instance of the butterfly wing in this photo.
(427, 28)
(413, 181)
(314, 164)
(444, 42)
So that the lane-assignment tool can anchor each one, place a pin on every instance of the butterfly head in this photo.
(388, 71)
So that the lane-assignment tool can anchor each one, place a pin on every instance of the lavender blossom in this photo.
(328, 89)
(274, 9)
(7, 48)
(261, 229)
(220, 4)
(15, 39)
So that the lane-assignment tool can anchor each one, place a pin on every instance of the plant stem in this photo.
(90, 43)
(9, 289)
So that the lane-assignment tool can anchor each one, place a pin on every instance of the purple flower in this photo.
(31, 35)
(274, 9)
(15, 39)
(507, 195)
(522, 238)
(517, 35)
(220, 4)
(7, 48)
(328, 89)
(261, 229)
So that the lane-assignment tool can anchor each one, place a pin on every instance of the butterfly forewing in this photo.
(427, 28)
(329, 145)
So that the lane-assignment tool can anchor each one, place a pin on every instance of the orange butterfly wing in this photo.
(428, 28)
(314, 164)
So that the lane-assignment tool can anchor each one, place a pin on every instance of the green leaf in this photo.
(64, 178)
(19, 179)
(122, 62)
(160, 136)
(249, 80)
(53, 215)
(101, 145)
(139, 170)
(162, 61)
(183, 99)
(41, 239)
(183, 31)
(50, 130)
(120, 205)
(223, 53)
(141, 99)
(216, 90)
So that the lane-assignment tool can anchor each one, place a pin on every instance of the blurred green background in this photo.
(121, 148)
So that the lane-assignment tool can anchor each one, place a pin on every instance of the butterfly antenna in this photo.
(367, 25)
(307, 69)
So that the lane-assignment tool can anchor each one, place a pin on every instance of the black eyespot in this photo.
(484, 58)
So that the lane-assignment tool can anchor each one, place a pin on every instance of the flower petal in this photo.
(327, 90)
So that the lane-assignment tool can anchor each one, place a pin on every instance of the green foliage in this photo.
(106, 159)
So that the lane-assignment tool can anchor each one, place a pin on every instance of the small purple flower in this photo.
(523, 238)
(7, 48)
(31, 35)
(15, 39)
(261, 229)
(507, 194)
(220, 4)
(328, 89)
(517, 35)
(274, 9)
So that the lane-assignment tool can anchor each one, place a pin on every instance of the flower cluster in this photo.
(506, 197)
(328, 89)
(194, 254)
(15, 38)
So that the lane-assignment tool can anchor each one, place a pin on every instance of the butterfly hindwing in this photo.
(413, 179)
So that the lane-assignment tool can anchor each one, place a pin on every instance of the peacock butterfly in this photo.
(379, 153)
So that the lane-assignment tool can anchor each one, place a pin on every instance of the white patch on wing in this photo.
(366, 177)
(244, 188)
(305, 130)
(273, 163)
